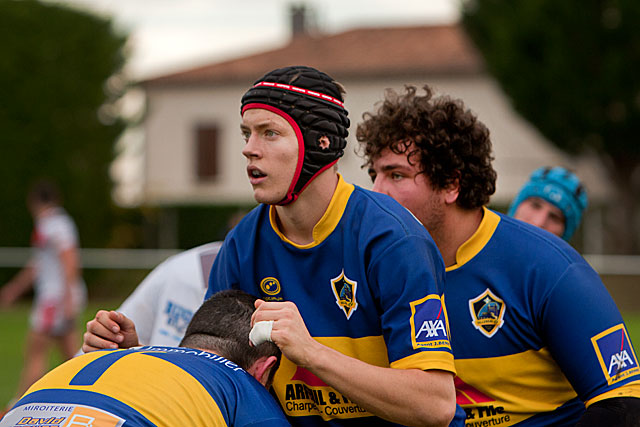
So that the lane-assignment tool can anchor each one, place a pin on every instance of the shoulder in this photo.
(249, 222)
(387, 232)
(58, 227)
(57, 220)
(530, 245)
(383, 213)
(192, 255)
(245, 234)
(188, 268)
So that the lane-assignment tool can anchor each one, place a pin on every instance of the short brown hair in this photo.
(447, 139)
(222, 324)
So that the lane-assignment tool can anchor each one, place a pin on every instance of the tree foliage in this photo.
(570, 67)
(58, 73)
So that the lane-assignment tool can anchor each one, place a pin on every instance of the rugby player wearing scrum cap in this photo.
(350, 279)
(553, 199)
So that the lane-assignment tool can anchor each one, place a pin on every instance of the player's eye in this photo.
(372, 175)
(270, 133)
(559, 219)
(245, 135)
(396, 176)
(536, 204)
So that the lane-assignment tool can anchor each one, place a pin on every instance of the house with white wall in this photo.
(192, 137)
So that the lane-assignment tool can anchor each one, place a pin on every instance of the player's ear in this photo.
(451, 192)
(261, 368)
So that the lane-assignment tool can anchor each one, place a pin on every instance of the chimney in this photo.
(299, 23)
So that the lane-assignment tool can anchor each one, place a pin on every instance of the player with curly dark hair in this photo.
(448, 142)
(535, 335)
(348, 281)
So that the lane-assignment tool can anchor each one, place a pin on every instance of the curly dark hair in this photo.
(447, 139)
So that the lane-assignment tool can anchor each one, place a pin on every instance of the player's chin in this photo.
(267, 198)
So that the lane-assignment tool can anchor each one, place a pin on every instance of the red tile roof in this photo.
(365, 52)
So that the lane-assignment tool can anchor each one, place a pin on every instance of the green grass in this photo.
(13, 332)
(14, 323)
(632, 319)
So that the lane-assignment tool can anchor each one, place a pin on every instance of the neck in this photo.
(297, 220)
(44, 210)
(208, 350)
(458, 226)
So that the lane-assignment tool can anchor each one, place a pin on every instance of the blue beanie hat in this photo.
(559, 187)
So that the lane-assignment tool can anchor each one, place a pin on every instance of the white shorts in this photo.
(47, 317)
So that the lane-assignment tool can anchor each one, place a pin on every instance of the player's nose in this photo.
(538, 218)
(379, 186)
(251, 147)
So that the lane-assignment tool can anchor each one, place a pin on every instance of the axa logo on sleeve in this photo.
(615, 353)
(429, 323)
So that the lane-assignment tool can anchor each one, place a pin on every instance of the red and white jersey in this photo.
(54, 232)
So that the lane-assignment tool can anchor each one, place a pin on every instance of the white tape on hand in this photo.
(261, 332)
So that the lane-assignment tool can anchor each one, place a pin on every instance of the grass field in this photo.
(14, 323)
(14, 327)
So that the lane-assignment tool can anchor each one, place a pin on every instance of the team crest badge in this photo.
(487, 312)
(344, 289)
(615, 353)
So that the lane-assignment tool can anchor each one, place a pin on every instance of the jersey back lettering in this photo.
(148, 386)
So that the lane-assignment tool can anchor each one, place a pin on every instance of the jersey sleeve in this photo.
(410, 281)
(587, 336)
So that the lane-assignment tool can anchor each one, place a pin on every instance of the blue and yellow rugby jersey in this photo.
(369, 286)
(534, 331)
(147, 386)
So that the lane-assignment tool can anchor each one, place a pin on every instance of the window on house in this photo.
(206, 152)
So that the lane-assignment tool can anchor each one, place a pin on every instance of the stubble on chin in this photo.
(434, 220)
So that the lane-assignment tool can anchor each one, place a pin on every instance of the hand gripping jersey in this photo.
(534, 331)
(53, 232)
(146, 386)
(164, 302)
(368, 286)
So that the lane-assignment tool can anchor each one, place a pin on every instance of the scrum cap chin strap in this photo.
(312, 104)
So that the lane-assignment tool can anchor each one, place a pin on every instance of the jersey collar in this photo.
(478, 240)
(329, 220)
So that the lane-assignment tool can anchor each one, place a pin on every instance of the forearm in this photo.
(70, 266)
(409, 397)
(69, 262)
(18, 285)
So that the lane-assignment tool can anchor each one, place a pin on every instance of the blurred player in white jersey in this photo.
(54, 272)
(164, 302)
